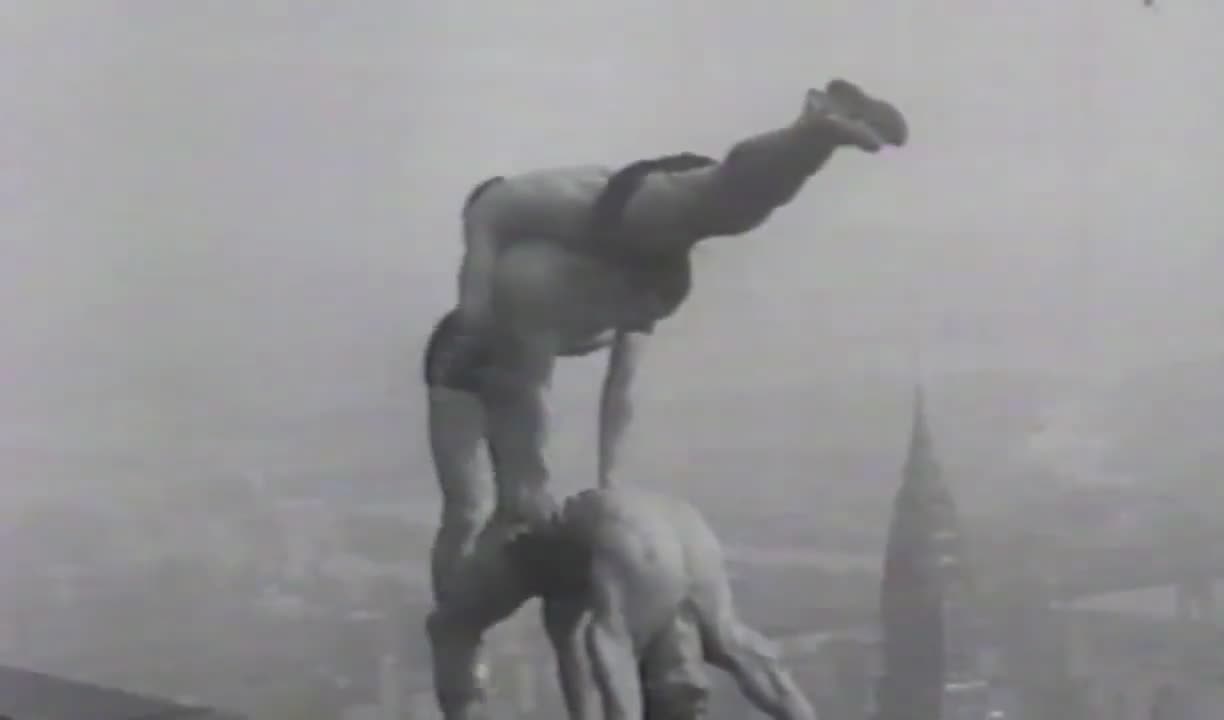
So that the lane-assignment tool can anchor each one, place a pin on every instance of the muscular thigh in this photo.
(541, 287)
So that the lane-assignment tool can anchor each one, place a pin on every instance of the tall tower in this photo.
(931, 641)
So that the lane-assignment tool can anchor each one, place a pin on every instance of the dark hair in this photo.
(551, 559)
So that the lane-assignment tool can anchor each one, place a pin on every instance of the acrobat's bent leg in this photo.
(516, 415)
(456, 434)
(475, 584)
(523, 350)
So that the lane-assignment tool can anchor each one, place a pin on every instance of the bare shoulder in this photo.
(627, 509)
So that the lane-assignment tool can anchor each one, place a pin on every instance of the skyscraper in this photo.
(932, 643)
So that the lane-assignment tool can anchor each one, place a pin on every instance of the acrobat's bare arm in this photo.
(565, 617)
(611, 644)
(616, 401)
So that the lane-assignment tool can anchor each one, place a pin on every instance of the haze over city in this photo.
(230, 226)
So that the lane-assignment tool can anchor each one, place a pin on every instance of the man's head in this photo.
(551, 560)
(687, 702)
(676, 685)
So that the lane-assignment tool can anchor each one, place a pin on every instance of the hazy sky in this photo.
(249, 210)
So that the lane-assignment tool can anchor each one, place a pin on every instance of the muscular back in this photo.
(662, 550)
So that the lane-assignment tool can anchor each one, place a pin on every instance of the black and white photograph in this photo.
(556, 360)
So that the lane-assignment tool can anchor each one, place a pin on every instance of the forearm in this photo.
(614, 415)
(614, 668)
(565, 621)
(615, 406)
(577, 684)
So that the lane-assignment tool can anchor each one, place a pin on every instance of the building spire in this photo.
(911, 592)
(921, 465)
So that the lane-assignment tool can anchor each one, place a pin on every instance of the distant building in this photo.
(28, 694)
(933, 649)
